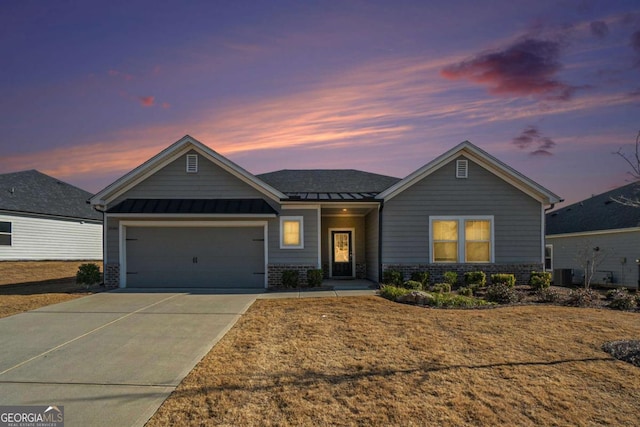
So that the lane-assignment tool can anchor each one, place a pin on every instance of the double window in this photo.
(461, 239)
(291, 232)
(5, 233)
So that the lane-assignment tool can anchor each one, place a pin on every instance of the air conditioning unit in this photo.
(562, 276)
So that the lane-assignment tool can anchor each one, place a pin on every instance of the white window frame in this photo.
(462, 238)
(10, 233)
(300, 220)
(192, 163)
(550, 246)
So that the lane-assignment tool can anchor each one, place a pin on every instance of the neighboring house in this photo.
(190, 217)
(42, 218)
(598, 222)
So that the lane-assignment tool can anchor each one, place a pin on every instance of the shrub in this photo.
(452, 300)
(450, 277)
(392, 293)
(88, 274)
(442, 288)
(582, 297)
(505, 279)
(413, 285)
(501, 293)
(621, 299)
(547, 295)
(290, 278)
(392, 277)
(540, 279)
(314, 277)
(465, 291)
(422, 277)
(478, 278)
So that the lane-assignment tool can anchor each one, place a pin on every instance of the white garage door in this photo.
(195, 257)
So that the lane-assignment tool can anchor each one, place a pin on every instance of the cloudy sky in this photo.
(91, 89)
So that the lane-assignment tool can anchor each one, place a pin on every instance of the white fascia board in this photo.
(594, 233)
(484, 160)
(170, 154)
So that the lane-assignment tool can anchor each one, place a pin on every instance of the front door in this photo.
(342, 254)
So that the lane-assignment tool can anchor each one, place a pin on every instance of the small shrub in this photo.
(450, 277)
(506, 279)
(290, 278)
(582, 297)
(392, 277)
(465, 291)
(314, 277)
(477, 278)
(88, 274)
(413, 285)
(422, 277)
(547, 295)
(501, 293)
(392, 293)
(452, 300)
(621, 299)
(442, 288)
(540, 279)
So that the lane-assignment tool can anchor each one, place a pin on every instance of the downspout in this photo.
(380, 240)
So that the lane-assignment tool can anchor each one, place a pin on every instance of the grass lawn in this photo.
(369, 361)
(29, 285)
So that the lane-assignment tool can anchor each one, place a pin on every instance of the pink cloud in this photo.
(147, 101)
(166, 105)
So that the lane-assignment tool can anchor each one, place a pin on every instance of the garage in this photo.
(195, 257)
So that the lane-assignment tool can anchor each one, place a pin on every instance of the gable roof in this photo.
(483, 159)
(36, 193)
(171, 153)
(599, 212)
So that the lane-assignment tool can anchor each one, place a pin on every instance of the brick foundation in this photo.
(112, 275)
(436, 271)
(361, 270)
(275, 273)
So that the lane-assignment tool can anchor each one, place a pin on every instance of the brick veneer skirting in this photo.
(436, 271)
(361, 270)
(275, 273)
(112, 275)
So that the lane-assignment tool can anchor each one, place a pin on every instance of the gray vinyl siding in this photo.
(517, 216)
(371, 244)
(35, 238)
(354, 222)
(620, 249)
(172, 181)
(307, 255)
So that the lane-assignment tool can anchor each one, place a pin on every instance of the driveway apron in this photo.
(112, 358)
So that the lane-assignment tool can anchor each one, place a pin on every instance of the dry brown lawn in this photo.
(367, 361)
(29, 285)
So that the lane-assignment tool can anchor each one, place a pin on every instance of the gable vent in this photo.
(462, 168)
(192, 163)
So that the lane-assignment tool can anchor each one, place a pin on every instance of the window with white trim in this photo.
(548, 257)
(467, 239)
(291, 232)
(192, 163)
(5, 233)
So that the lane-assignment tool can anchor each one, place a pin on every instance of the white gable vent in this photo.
(462, 168)
(192, 163)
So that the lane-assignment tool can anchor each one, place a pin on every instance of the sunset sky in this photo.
(89, 90)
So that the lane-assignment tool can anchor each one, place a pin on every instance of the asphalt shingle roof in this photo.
(599, 212)
(330, 181)
(34, 192)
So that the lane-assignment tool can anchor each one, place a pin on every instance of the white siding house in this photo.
(42, 218)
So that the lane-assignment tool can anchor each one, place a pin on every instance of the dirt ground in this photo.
(369, 361)
(29, 285)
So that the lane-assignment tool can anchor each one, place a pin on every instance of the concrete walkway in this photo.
(112, 358)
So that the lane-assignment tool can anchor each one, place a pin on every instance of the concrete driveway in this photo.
(112, 358)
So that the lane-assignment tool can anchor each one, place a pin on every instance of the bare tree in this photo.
(633, 160)
(590, 257)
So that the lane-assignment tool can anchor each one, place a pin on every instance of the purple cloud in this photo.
(635, 41)
(599, 29)
(531, 139)
(527, 67)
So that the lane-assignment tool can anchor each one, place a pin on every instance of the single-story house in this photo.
(191, 217)
(596, 224)
(43, 218)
